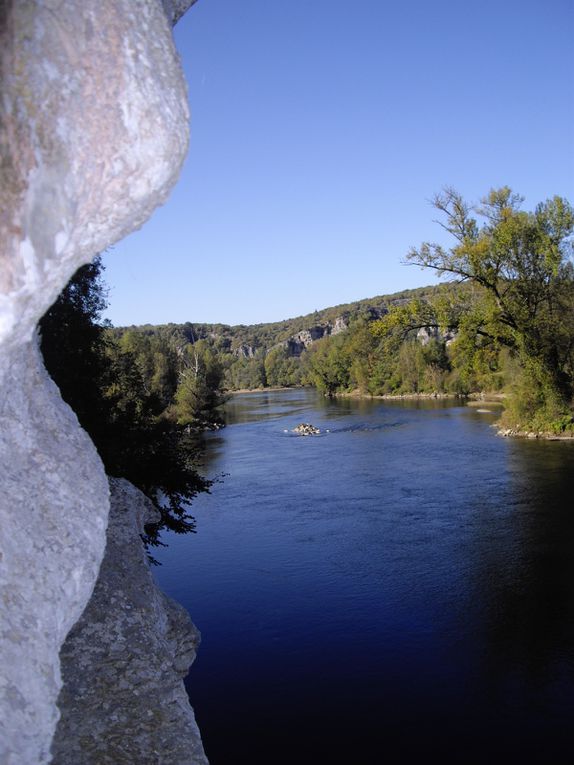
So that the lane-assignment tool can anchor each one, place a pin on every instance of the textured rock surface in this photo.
(93, 131)
(175, 9)
(426, 334)
(306, 429)
(124, 661)
(52, 527)
(296, 344)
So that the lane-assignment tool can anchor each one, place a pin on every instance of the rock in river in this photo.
(305, 429)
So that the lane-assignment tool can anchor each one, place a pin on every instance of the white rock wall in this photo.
(93, 131)
(54, 502)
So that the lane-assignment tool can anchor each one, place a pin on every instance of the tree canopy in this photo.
(517, 266)
(116, 392)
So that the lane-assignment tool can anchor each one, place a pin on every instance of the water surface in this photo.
(403, 583)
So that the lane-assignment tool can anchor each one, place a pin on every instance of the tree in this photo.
(361, 347)
(156, 358)
(200, 390)
(282, 369)
(329, 365)
(104, 385)
(73, 346)
(245, 373)
(521, 295)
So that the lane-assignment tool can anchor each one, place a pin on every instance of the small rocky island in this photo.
(305, 429)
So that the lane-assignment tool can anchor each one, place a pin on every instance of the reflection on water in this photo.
(403, 583)
(529, 654)
(264, 405)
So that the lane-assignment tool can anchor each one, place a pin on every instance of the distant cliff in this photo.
(265, 354)
(248, 340)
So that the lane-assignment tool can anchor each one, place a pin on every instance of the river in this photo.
(399, 587)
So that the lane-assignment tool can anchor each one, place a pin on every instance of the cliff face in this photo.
(298, 343)
(123, 698)
(53, 519)
(93, 131)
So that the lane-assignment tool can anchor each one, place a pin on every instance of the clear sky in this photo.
(320, 130)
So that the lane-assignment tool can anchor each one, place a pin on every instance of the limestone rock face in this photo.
(244, 351)
(426, 334)
(52, 528)
(93, 131)
(341, 325)
(298, 343)
(123, 698)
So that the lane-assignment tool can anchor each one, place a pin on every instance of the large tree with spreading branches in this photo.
(517, 292)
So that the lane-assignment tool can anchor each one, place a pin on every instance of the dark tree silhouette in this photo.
(103, 385)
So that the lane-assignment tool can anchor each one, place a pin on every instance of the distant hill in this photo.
(294, 334)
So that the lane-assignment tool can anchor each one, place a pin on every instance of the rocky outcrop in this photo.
(340, 324)
(518, 432)
(54, 509)
(426, 334)
(123, 698)
(93, 131)
(299, 342)
(244, 351)
(306, 429)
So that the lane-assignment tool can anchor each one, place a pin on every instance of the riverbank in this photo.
(480, 397)
(531, 434)
(264, 390)
(473, 399)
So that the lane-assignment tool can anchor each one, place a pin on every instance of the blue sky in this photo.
(320, 130)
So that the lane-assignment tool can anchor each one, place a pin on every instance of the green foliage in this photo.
(281, 369)
(329, 365)
(245, 373)
(243, 350)
(73, 346)
(410, 367)
(109, 383)
(519, 266)
(504, 320)
(199, 392)
(156, 358)
(361, 350)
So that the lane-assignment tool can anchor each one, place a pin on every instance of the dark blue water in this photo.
(399, 588)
